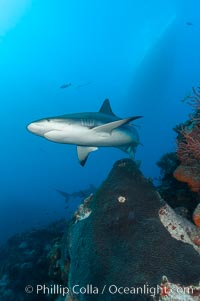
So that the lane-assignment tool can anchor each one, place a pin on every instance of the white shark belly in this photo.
(87, 137)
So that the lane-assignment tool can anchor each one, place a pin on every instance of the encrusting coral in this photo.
(196, 216)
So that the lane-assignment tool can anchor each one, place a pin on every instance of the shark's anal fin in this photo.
(108, 127)
(83, 153)
(106, 108)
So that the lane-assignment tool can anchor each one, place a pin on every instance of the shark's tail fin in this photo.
(129, 149)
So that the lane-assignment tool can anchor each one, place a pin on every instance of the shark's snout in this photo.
(37, 128)
(30, 127)
(33, 127)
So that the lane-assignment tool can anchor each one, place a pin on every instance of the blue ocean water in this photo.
(142, 55)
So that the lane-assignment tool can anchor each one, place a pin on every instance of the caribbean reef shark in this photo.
(82, 194)
(89, 131)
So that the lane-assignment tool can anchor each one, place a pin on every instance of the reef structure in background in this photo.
(188, 149)
(132, 243)
(32, 258)
(177, 194)
(188, 145)
(124, 236)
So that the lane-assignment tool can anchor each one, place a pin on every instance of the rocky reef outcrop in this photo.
(123, 243)
(129, 239)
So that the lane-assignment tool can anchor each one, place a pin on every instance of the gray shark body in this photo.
(89, 131)
(81, 194)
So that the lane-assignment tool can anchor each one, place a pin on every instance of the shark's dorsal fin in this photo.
(108, 127)
(83, 153)
(106, 108)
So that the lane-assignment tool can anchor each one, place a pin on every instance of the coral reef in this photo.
(118, 245)
(188, 145)
(177, 194)
(196, 216)
(31, 258)
(131, 243)
(189, 174)
(83, 210)
(179, 227)
(176, 292)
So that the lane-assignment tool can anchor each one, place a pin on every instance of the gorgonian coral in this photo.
(188, 144)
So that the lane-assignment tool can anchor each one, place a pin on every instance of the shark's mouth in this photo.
(54, 135)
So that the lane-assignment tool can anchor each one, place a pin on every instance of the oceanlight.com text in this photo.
(56, 289)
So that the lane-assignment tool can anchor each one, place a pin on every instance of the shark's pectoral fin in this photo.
(108, 127)
(83, 153)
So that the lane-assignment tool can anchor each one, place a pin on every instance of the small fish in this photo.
(65, 86)
(189, 23)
